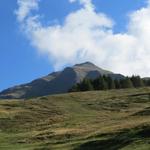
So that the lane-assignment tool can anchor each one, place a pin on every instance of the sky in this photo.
(41, 36)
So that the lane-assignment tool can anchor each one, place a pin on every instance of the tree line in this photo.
(107, 83)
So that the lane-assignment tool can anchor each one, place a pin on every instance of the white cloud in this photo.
(25, 7)
(88, 36)
(86, 3)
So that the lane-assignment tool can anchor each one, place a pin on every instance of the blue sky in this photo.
(20, 62)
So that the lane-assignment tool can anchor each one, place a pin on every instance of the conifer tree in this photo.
(117, 84)
(86, 85)
(137, 81)
(111, 83)
(126, 83)
(106, 82)
(102, 84)
(146, 82)
(96, 84)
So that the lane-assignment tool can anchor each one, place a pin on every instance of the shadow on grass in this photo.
(145, 112)
(118, 140)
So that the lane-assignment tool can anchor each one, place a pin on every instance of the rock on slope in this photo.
(57, 82)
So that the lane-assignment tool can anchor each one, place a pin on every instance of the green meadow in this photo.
(96, 120)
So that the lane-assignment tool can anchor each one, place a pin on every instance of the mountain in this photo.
(57, 82)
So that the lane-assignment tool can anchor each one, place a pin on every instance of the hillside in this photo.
(99, 120)
(57, 82)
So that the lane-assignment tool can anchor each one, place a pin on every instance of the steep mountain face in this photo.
(57, 82)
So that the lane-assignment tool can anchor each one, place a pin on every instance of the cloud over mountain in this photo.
(87, 35)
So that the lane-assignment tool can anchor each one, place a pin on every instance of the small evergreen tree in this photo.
(102, 84)
(126, 83)
(148, 82)
(137, 81)
(75, 88)
(86, 85)
(111, 83)
(106, 82)
(96, 84)
(117, 84)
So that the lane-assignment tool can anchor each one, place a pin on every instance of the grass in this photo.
(98, 120)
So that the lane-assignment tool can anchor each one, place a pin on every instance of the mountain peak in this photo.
(85, 63)
(57, 82)
(89, 66)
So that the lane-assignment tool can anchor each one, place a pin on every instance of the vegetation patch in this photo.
(105, 120)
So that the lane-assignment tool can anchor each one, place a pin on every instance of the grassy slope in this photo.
(109, 120)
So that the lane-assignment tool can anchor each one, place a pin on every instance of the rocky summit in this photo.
(57, 82)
